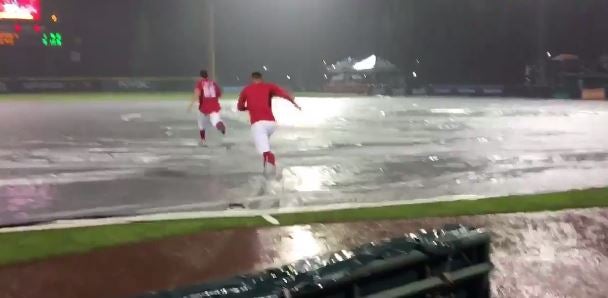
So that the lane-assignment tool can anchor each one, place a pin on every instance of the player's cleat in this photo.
(276, 172)
(221, 127)
(236, 206)
(202, 142)
(270, 171)
(273, 172)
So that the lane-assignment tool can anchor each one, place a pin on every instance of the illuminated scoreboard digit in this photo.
(52, 39)
(8, 38)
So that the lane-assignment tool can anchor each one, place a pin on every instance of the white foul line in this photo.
(266, 214)
(270, 219)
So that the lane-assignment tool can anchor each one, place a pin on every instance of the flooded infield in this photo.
(78, 159)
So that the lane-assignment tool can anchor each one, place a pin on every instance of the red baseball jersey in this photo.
(257, 99)
(210, 94)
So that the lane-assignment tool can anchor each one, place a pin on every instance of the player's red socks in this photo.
(221, 127)
(268, 158)
(202, 133)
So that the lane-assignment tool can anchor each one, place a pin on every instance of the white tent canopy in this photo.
(372, 63)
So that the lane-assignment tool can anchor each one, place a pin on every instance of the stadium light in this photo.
(54, 18)
(288, 77)
(366, 64)
(265, 67)
(414, 74)
(548, 54)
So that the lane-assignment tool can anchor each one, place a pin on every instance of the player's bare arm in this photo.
(292, 99)
(242, 103)
(195, 96)
(278, 91)
(295, 104)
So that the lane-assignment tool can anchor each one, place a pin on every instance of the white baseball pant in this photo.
(261, 132)
(208, 121)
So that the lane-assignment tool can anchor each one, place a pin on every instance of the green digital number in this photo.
(52, 39)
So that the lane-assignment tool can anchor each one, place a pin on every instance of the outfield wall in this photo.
(160, 84)
(114, 84)
(33, 85)
(172, 84)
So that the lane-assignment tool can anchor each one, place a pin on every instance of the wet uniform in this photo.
(257, 100)
(209, 105)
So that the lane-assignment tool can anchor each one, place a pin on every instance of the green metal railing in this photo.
(452, 262)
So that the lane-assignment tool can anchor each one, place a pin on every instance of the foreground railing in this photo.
(451, 262)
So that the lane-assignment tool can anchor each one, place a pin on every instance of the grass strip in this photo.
(27, 246)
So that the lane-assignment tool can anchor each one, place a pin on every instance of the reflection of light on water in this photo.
(302, 244)
(19, 199)
(314, 112)
(308, 178)
(450, 111)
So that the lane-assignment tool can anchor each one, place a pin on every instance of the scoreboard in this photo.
(21, 25)
(28, 35)
(27, 10)
(8, 38)
(32, 43)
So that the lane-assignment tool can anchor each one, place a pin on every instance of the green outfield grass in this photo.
(27, 246)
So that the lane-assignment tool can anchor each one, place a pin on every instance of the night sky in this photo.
(465, 41)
